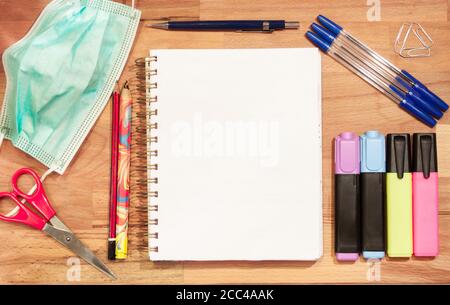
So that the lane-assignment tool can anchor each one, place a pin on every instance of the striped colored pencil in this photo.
(123, 174)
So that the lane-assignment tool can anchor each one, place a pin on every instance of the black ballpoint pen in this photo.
(265, 26)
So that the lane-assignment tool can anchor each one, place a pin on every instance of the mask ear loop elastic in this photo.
(2, 136)
(31, 191)
(52, 168)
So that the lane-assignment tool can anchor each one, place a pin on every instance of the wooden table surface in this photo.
(81, 195)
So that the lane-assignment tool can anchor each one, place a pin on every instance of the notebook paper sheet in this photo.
(239, 155)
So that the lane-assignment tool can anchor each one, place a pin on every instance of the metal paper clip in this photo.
(401, 42)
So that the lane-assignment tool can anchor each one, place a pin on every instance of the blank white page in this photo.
(239, 155)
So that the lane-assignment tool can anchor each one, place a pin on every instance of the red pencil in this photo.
(113, 185)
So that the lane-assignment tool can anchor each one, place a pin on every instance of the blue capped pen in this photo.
(411, 82)
(411, 103)
(398, 86)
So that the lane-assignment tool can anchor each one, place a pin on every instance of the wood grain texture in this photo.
(81, 195)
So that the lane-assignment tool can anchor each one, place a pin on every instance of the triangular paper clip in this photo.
(401, 42)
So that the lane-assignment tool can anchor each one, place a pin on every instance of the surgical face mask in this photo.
(61, 74)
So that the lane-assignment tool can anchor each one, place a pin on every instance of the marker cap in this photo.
(346, 153)
(425, 153)
(373, 254)
(398, 153)
(373, 155)
(347, 257)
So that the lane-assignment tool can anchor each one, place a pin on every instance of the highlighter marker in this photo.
(425, 195)
(347, 209)
(399, 196)
(373, 169)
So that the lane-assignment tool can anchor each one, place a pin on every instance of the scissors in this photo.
(46, 220)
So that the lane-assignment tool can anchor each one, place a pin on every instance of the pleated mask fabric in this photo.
(61, 75)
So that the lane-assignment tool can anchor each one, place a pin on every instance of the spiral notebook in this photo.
(233, 141)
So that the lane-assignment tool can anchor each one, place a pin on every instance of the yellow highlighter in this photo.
(399, 196)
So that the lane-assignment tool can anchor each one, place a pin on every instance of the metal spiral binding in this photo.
(145, 141)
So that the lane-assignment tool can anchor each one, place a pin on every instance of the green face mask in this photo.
(61, 74)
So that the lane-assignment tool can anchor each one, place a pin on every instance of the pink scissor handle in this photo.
(38, 199)
(23, 215)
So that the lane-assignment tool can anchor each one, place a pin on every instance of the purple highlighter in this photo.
(347, 205)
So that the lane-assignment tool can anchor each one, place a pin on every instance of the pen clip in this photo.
(426, 143)
(425, 154)
(270, 31)
(400, 151)
(265, 29)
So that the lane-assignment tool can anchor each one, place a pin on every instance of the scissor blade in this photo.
(58, 224)
(68, 239)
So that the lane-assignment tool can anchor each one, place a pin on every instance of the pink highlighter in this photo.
(425, 195)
